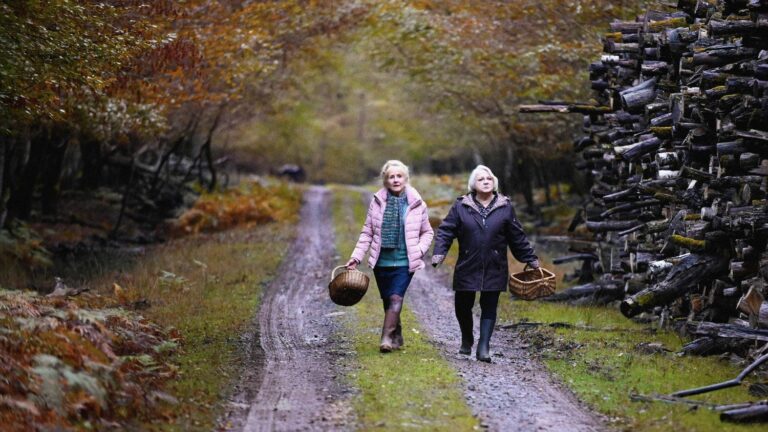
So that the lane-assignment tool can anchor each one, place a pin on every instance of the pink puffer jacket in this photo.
(418, 232)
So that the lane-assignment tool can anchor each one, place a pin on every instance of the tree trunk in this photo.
(682, 278)
(708, 345)
(728, 331)
(206, 150)
(718, 27)
(526, 183)
(90, 154)
(544, 180)
(52, 175)
(21, 199)
(755, 413)
(4, 150)
(606, 226)
(599, 292)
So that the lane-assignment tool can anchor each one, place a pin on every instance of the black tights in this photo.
(392, 302)
(464, 301)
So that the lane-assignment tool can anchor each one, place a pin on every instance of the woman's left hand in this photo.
(534, 264)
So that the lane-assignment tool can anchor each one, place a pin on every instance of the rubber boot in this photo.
(467, 339)
(397, 339)
(396, 304)
(391, 318)
(483, 348)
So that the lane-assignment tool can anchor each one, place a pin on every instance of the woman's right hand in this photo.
(351, 264)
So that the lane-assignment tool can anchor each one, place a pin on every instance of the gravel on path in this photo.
(515, 392)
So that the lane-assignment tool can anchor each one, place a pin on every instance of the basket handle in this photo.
(541, 272)
(333, 272)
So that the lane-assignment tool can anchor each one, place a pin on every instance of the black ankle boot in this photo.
(486, 330)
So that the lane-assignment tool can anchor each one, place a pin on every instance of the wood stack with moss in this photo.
(676, 148)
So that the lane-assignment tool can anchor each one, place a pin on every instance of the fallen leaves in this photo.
(64, 364)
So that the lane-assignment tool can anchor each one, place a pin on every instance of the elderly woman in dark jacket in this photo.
(485, 224)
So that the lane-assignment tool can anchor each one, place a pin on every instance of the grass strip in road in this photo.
(413, 388)
(607, 357)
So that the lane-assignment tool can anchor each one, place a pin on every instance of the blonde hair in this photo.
(473, 177)
(393, 164)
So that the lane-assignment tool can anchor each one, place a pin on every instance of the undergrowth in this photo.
(80, 363)
(208, 287)
(413, 388)
(154, 342)
(249, 204)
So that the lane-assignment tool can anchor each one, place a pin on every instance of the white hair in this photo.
(390, 164)
(473, 177)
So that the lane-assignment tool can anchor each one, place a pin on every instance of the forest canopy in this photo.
(111, 93)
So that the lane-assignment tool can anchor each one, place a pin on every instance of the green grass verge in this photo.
(413, 388)
(605, 366)
(208, 287)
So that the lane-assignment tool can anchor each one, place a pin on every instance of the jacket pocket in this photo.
(466, 258)
(499, 258)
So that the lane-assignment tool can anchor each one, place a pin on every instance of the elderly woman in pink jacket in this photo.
(398, 234)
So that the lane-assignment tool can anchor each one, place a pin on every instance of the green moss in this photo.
(668, 23)
(662, 131)
(413, 388)
(688, 243)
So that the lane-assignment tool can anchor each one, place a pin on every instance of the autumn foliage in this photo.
(251, 203)
(79, 364)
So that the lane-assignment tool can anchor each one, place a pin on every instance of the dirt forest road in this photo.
(295, 379)
(514, 393)
(292, 384)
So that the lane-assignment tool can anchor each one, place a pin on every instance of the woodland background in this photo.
(145, 98)
(123, 122)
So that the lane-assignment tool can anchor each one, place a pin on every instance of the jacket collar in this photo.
(414, 199)
(501, 201)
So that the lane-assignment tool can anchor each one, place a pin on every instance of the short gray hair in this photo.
(393, 164)
(473, 177)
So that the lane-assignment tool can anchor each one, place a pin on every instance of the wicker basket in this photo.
(347, 288)
(531, 284)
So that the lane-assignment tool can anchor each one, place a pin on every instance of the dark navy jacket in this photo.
(482, 263)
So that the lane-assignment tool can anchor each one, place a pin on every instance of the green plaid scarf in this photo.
(392, 224)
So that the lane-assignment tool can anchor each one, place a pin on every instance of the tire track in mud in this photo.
(515, 392)
(292, 383)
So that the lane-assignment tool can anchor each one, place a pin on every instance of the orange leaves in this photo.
(249, 204)
(177, 53)
(65, 364)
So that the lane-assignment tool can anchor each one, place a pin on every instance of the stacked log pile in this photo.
(677, 150)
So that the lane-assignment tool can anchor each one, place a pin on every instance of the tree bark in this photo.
(52, 173)
(606, 226)
(124, 203)
(90, 155)
(21, 199)
(5, 145)
(752, 414)
(728, 331)
(682, 278)
(599, 292)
